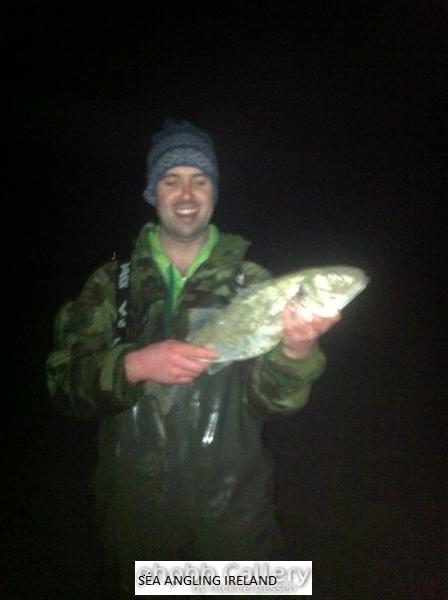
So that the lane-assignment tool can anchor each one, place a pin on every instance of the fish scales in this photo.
(248, 326)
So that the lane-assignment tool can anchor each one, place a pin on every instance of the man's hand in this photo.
(302, 329)
(170, 362)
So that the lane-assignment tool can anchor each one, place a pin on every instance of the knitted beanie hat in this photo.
(180, 144)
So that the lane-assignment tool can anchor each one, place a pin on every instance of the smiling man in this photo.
(195, 483)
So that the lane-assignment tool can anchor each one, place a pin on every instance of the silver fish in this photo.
(251, 324)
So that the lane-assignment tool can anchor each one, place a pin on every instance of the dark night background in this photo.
(328, 124)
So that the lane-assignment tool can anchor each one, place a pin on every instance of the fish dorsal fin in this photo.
(249, 291)
(198, 317)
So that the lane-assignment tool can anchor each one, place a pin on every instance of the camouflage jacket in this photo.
(199, 473)
(86, 375)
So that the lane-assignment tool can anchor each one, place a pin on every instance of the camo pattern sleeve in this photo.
(278, 386)
(85, 375)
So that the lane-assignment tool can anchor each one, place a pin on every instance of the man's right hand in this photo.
(170, 362)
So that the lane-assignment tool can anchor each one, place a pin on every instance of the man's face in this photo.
(185, 203)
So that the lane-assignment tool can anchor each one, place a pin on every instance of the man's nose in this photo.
(186, 190)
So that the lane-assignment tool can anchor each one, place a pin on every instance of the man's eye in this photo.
(201, 181)
(170, 182)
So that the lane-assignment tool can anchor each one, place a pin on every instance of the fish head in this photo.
(326, 290)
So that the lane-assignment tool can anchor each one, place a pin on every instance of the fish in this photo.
(251, 324)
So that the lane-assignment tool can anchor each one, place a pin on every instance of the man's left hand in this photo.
(301, 329)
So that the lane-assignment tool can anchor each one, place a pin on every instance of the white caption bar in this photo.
(174, 578)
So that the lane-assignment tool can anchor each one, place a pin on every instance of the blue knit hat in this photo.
(180, 144)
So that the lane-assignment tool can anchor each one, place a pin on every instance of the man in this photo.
(195, 482)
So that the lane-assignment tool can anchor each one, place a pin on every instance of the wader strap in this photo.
(168, 307)
(122, 294)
